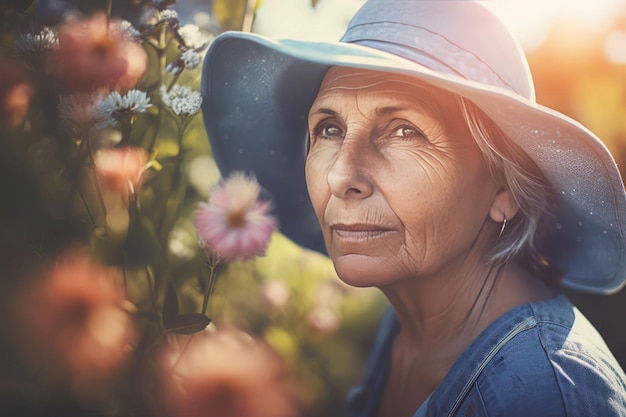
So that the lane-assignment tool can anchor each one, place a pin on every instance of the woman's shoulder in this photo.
(559, 366)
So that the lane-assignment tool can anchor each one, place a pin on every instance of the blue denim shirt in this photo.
(538, 359)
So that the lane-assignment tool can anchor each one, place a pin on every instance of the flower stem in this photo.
(108, 6)
(176, 76)
(125, 277)
(211, 264)
(161, 51)
(182, 352)
(92, 162)
(126, 121)
(150, 278)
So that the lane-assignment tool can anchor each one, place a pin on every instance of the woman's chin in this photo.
(361, 270)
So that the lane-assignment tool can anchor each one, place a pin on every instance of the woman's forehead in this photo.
(381, 88)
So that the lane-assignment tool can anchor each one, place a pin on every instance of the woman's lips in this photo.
(359, 231)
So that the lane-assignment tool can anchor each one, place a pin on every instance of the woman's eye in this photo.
(407, 132)
(328, 131)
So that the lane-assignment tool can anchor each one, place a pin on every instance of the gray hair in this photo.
(531, 191)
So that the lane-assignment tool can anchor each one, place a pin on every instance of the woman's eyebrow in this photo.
(324, 110)
(381, 111)
(387, 110)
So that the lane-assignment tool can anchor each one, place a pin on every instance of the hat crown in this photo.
(442, 36)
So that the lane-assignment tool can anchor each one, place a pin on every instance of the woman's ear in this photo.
(504, 206)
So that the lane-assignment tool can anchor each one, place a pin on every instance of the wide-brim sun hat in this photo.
(257, 92)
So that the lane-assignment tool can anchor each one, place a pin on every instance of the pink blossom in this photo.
(235, 223)
(15, 93)
(226, 373)
(90, 56)
(71, 323)
(323, 320)
(275, 294)
(121, 169)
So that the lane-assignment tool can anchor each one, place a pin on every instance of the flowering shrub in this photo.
(129, 277)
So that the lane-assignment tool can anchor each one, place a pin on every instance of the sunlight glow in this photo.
(530, 20)
(615, 47)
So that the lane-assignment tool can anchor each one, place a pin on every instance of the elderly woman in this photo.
(414, 154)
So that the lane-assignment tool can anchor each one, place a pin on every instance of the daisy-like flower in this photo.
(28, 45)
(227, 373)
(81, 111)
(135, 101)
(235, 223)
(181, 99)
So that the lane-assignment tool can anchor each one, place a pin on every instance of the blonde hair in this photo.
(531, 191)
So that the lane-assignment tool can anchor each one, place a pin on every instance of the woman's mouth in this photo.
(359, 231)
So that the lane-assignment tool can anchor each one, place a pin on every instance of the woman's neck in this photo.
(455, 306)
(439, 318)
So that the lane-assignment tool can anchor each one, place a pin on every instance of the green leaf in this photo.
(187, 323)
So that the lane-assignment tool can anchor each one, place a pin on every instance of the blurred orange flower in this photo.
(71, 323)
(121, 169)
(15, 94)
(227, 373)
(91, 56)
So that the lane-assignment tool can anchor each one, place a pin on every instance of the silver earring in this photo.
(502, 229)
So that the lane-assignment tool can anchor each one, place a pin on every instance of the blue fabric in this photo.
(540, 359)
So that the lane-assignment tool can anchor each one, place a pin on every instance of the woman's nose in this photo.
(349, 175)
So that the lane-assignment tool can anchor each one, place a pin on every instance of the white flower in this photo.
(82, 111)
(168, 14)
(148, 17)
(125, 30)
(182, 243)
(135, 101)
(191, 58)
(191, 35)
(27, 44)
(181, 99)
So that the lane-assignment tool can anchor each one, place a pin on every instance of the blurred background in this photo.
(292, 297)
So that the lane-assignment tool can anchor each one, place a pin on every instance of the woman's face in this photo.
(397, 183)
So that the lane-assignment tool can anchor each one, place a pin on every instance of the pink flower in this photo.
(71, 323)
(235, 224)
(121, 169)
(15, 93)
(226, 373)
(91, 56)
(275, 294)
(323, 320)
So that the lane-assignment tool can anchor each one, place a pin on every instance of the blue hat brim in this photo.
(257, 92)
